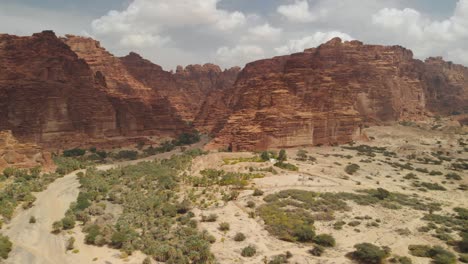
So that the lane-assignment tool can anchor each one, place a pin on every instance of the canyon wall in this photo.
(68, 92)
(20, 155)
(324, 95)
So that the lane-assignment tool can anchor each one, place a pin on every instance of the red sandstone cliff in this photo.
(66, 92)
(20, 155)
(323, 95)
(51, 96)
(47, 94)
(187, 89)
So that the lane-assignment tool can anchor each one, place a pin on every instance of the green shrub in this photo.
(282, 157)
(70, 243)
(224, 226)
(305, 233)
(463, 244)
(435, 173)
(317, 251)
(421, 251)
(187, 138)
(57, 227)
(438, 254)
(68, 223)
(453, 176)
(352, 168)
(249, 251)
(127, 155)
(463, 258)
(257, 192)
(286, 166)
(239, 237)
(250, 204)
(401, 260)
(76, 152)
(209, 218)
(367, 253)
(325, 240)
(5, 246)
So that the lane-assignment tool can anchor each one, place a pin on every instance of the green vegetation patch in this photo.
(5, 246)
(20, 189)
(212, 177)
(290, 214)
(155, 219)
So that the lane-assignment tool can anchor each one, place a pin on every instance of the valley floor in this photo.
(323, 173)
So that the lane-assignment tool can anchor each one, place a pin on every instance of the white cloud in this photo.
(297, 12)
(264, 32)
(145, 21)
(245, 53)
(143, 40)
(298, 45)
(459, 55)
(427, 37)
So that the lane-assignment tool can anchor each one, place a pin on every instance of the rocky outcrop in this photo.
(18, 155)
(140, 110)
(71, 92)
(446, 87)
(324, 95)
(186, 89)
(49, 95)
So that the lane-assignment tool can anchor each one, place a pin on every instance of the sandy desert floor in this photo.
(36, 244)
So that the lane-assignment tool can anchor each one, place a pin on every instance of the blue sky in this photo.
(233, 32)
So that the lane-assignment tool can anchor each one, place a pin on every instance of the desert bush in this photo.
(339, 225)
(187, 138)
(57, 227)
(32, 220)
(317, 251)
(224, 226)
(463, 258)
(5, 246)
(351, 169)
(282, 157)
(76, 152)
(70, 243)
(286, 166)
(301, 155)
(249, 251)
(453, 176)
(209, 218)
(325, 240)
(401, 260)
(438, 254)
(435, 173)
(367, 253)
(257, 192)
(410, 176)
(304, 233)
(422, 251)
(239, 237)
(430, 186)
(250, 204)
(127, 155)
(68, 223)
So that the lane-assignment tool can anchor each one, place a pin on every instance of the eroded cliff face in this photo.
(22, 155)
(323, 95)
(49, 95)
(69, 91)
(187, 88)
(140, 110)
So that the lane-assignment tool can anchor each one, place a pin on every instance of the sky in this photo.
(235, 32)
